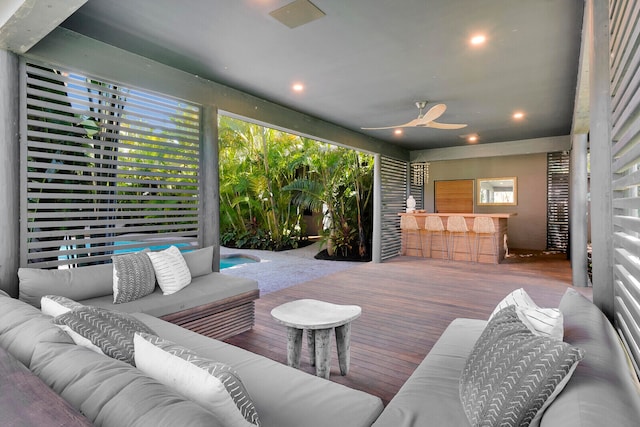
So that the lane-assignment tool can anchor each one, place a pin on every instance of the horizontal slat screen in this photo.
(625, 148)
(109, 169)
(394, 198)
(558, 201)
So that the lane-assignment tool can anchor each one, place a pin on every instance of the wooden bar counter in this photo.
(431, 243)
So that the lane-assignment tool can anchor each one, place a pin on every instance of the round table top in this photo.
(314, 314)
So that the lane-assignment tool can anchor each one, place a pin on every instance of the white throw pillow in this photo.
(55, 305)
(544, 322)
(171, 269)
(213, 385)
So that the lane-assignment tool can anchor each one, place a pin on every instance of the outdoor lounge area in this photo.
(137, 147)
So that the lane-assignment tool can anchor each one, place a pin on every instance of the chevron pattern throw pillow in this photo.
(133, 277)
(110, 331)
(512, 375)
(214, 385)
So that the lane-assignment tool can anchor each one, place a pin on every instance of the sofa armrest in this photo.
(602, 390)
(25, 400)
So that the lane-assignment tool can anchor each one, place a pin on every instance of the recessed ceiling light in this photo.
(398, 131)
(297, 87)
(478, 39)
(472, 138)
(518, 115)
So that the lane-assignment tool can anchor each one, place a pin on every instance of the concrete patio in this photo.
(278, 270)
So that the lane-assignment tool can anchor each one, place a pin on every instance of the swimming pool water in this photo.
(234, 260)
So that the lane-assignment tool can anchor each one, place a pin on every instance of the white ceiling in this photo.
(366, 62)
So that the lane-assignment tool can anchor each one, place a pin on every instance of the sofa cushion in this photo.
(25, 400)
(75, 283)
(431, 395)
(112, 393)
(512, 375)
(602, 390)
(171, 269)
(202, 290)
(55, 305)
(545, 322)
(283, 396)
(199, 261)
(214, 385)
(110, 331)
(22, 326)
(133, 277)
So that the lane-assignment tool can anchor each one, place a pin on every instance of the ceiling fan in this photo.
(427, 119)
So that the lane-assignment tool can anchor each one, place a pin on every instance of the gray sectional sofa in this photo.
(112, 393)
(214, 304)
(602, 389)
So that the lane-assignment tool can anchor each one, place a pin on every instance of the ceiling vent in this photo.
(296, 13)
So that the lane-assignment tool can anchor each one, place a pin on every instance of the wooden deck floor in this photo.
(406, 304)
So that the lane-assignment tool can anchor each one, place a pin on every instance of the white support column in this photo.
(210, 185)
(376, 245)
(578, 211)
(600, 145)
(9, 171)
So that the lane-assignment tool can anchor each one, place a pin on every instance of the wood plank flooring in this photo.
(406, 304)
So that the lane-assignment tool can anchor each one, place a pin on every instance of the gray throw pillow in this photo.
(110, 331)
(512, 375)
(133, 277)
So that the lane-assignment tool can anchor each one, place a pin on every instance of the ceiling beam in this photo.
(23, 23)
(496, 149)
(85, 55)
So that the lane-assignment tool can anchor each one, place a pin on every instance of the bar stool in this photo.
(409, 226)
(457, 227)
(433, 224)
(484, 228)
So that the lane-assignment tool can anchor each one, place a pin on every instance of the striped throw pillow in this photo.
(214, 385)
(133, 277)
(512, 375)
(171, 270)
(544, 322)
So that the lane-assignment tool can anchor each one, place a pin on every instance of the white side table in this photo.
(318, 318)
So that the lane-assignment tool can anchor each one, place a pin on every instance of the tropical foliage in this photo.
(269, 178)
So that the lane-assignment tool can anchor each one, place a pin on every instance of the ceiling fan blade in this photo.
(412, 123)
(433, 113)
(437, 125)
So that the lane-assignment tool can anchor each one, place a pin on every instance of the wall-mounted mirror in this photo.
(497, 191)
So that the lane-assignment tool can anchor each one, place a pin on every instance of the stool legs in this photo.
(343, 343)
(494, 244)
(294, 346)
(452, 244)
(443, 243)
(319, 344)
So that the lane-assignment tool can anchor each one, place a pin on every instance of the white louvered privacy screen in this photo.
(625, 149)
(394, 198)
(105, 169)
